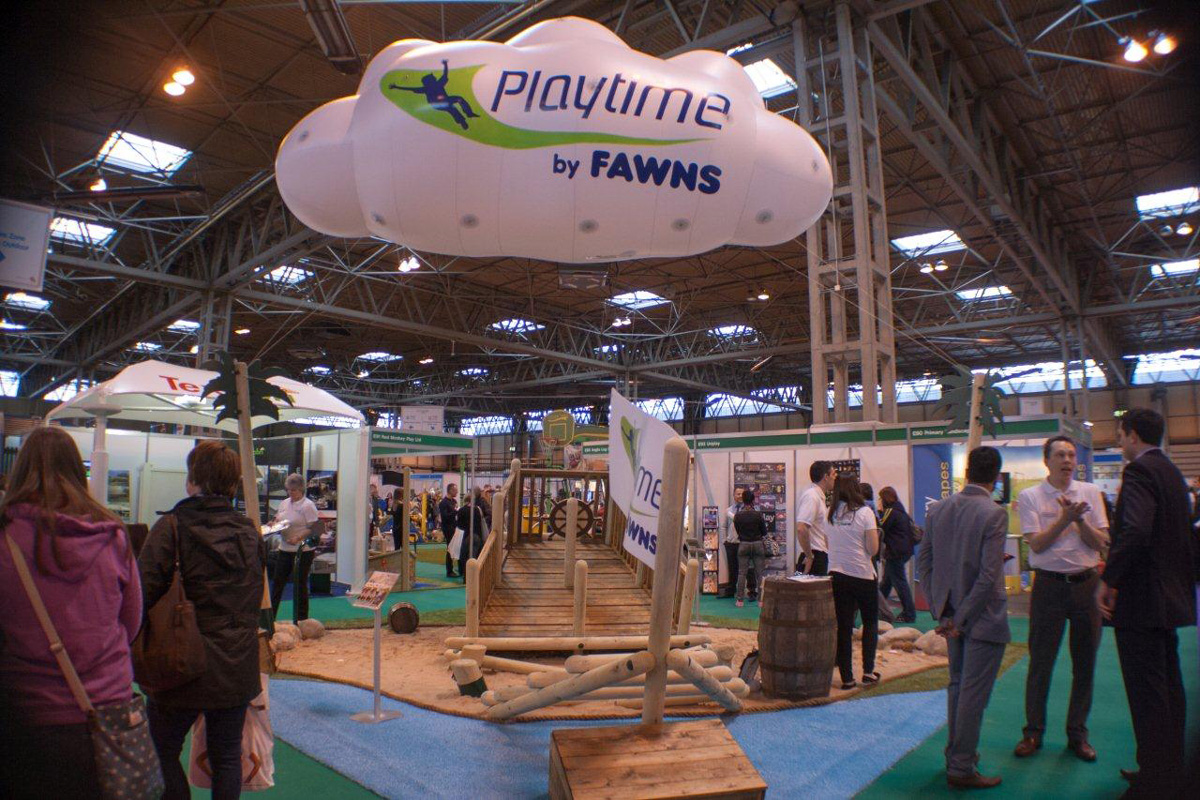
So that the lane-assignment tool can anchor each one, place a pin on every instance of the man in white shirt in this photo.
(812, 515)
(1064, 522)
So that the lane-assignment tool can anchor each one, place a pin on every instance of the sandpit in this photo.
(415, 671)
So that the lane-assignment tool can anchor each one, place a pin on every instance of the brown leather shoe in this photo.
(1027, 747)
(1083, 751)
(975, 781)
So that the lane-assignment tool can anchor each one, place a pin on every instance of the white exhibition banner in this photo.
(423, 418)
(636, 443)
(562, 144)
(24, 236)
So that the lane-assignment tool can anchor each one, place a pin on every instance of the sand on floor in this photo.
(415, 670)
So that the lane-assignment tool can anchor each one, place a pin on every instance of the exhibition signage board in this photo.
(636, 445)
(375, 590)
(393, 443)
(24, 237)
(562, 144)
(423, 418)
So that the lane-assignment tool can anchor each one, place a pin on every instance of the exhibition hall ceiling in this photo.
(179, 231)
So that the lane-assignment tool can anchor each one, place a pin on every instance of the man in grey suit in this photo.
(960, 567)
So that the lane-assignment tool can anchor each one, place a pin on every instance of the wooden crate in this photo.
(675, 759)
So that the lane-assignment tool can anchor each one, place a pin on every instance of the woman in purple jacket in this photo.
(83, 566)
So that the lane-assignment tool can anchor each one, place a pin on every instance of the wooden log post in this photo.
(577, 664)
(666, 573)
(475, 652)
(569, 530)
(683, 664)
(401, 536)
(575, 644)
(507, 664)
(468, 676)
(540, 680)
(619, 670)
(737, 687)
(246, 444)
(473, 610)
(687, 596)
(618, 691)
(581, 582)
(974, 429)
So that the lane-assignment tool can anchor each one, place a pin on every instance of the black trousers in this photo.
(851, 596)
(1055, 603)
(820, 563)
(285, 562)
(731, 560)
(223, 732)
(47, 761)
(1154, 686)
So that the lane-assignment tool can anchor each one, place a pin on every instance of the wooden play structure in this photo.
(528, 594)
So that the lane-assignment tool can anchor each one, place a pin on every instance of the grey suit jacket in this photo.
(960, 563)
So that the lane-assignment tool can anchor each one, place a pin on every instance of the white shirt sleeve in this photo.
(308, 510)
(808, 508)
(1097, 517)
(1028, 511)
(865, 518)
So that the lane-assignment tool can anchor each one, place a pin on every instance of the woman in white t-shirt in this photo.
(294, 553)
(853, 535)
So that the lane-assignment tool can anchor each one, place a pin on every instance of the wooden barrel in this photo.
(404, 618)
(797, 638)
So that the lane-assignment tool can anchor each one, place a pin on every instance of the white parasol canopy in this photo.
(155, 391)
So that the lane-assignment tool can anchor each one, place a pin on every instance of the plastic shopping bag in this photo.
(455, 546)
(258, 744)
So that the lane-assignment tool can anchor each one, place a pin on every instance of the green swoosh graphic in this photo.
(484, 128)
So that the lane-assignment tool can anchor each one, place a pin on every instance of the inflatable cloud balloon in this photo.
(562, 144)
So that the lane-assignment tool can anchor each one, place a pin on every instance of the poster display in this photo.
(24, 235)
(849, 466)
(375, 590)
(768, 481)
(710, 517)
(322, 489)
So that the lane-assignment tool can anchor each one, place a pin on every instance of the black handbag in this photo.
(126, 760)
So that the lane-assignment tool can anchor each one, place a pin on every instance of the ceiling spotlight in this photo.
(98, 185)
(174, 88)
(426, 360)
(1135, 51)
(1166, 230)
(183, 77)
(926, 269)
(763, 295)
(410, 264)
(1164, 43)
(361, 374)
(242, 331)
(194, 350)
(1184, 229)
(941, 266)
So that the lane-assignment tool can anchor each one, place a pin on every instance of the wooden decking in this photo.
(532, 600)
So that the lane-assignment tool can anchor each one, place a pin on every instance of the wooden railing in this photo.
(483, 571)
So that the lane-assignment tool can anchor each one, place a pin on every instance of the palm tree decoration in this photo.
(261, 394)
(973, 400)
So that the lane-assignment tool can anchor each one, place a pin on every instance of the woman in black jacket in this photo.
(474, 533)
(222, 558)
(898, 549)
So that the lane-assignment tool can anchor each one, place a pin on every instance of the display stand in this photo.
(710, 538)
(373, 593)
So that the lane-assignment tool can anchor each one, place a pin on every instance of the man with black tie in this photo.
(1147, 591)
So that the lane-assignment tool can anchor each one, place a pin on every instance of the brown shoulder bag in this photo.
(169, 650)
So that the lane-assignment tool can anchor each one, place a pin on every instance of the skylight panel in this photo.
(983, 293)
(768, 78)
(80, 232)
(68, 390)
(637, 300)
(929, 244)
(6, 325)
(10, 382)
(380, 357)
(606, 349)
(288, 275)
(1175, 268)
(473, 372)
(732, 332)
(483, 426)
(137, 153)
(1178, 365)
(516, 325)
(29, 302)
(147, 347)
(318, 370)
(184, 326)
(1175, 202)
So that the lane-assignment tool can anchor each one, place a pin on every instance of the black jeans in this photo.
(820, 563)
(731, 560)
(223, 731)
(1154, 686)
(850, 596)
(47, 761)
(284, 564)
(894, 578)
(1055, 603)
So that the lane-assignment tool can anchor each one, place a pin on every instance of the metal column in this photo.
(849, 281)
(215, 319)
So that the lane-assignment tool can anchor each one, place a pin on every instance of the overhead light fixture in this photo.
(926, 269)
(362, 373)
(762, 363)
(1184, 229)
(1164, 44)
(1166, 230)
(763, 295)
(409, 264)
(941, 266)
(333, 34)
(194, 349)
(174, 88)
(98, 185)
(183, 77)
(426, 360)
(1135, 51)
(242, 331)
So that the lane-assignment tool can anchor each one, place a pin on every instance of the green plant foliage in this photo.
(262, 394)
(956, 399)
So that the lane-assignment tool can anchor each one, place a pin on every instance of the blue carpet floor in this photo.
(431, 755)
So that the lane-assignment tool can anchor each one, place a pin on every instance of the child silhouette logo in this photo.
(436, 95)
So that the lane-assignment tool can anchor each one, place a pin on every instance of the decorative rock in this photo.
(884, 627)
(283, 640)
(907, 647)
(932, 644)
(311, 629)
(288, 628)
(899, 635)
